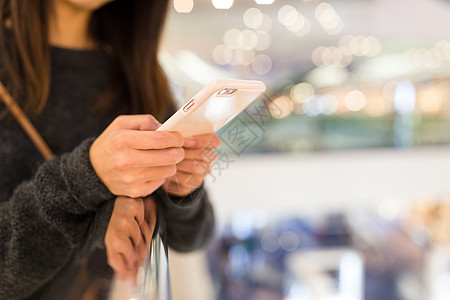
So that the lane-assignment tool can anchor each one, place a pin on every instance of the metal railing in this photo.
(152, 282)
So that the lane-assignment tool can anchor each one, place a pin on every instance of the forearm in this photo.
(45, 220)
(32, 249)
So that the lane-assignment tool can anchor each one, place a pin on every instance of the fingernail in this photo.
(189, 143)
(217, 141)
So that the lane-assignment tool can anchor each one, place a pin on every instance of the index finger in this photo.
(149, 140)
(202, 141)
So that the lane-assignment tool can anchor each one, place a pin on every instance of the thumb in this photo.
(138, 122)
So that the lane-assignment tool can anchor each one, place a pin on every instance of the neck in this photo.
(68, 28)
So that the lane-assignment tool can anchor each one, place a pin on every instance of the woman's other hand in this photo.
(132, 159)
(129, 234)
(199, 154)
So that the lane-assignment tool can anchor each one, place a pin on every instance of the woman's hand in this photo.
(199, 154)
(129, 234)
(132, 159)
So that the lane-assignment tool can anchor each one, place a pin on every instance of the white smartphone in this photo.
(215, 105)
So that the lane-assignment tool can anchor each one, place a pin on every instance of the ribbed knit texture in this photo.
(54, 214)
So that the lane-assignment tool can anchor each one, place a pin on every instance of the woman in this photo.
(74, 66)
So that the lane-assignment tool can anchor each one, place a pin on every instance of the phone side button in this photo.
(189, 105)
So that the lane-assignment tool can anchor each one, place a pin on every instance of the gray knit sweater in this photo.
(54, 214)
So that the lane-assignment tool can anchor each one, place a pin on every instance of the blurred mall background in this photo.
(335, 184)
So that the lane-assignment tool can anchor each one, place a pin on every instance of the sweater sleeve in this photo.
(189, 220)
(46, 219)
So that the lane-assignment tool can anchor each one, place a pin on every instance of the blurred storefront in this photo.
(334, 185)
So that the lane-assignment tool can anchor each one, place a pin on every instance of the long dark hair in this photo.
(131, 27)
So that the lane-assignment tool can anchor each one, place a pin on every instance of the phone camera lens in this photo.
(227, 91)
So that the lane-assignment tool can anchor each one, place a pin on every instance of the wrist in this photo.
(81, 178)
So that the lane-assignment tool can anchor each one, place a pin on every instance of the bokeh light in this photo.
(368, 46)
(328, 18)
(405, 97)
(247, 39)
(266, 24)
(222, 55)
(253, 18)
(305, 29)
(289, 241)
(389, 209)
(264, 41)
(430, 99)
(330, 104)
(287, 14)
(264, 2)
(282, 105)
(262, 64)
(430, 58)
(313, 105)
(230, 38)
(300, 92)
(222, 4)
(183, 6)
(242, 225)
(355, 100)
(294, 21)
(331, 56)
(244, 57)
(270, 242)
